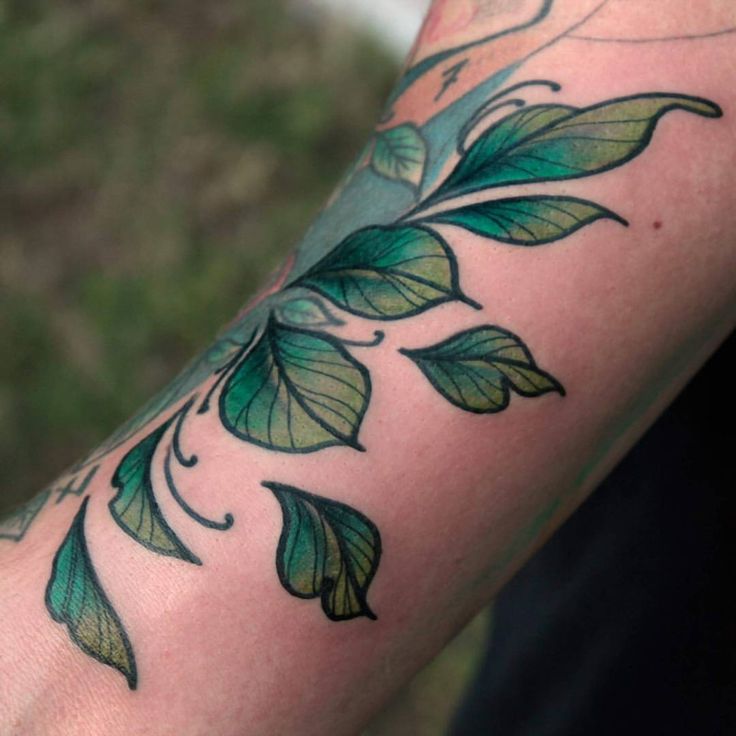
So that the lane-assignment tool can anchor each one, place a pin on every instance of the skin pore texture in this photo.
(531, 256)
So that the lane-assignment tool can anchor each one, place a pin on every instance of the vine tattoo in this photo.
(282, 378)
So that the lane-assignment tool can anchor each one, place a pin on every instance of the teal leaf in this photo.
(520, 125)
(135, 508)
(553, 142)
(532, 220)
(306, 312)
(327, 550)
(400, 154)
(476, 370)
(74, 596)
(387, 273)
(296, 391)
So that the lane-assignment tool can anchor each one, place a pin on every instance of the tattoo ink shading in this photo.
(286, 381)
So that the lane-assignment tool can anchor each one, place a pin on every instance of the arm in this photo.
(544, 280)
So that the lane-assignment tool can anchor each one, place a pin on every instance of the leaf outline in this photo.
(76, 537)
(325, 507)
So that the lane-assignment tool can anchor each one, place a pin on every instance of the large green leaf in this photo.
(74, 596)
(135, 508)
(400, 153)
(386, 272)
(326, 549)
(477, 369)
(525, 220)
(296, 391)
(550, 142)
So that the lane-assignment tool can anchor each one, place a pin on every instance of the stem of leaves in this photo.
(554, 86)
(378, 336)
(174, 449)
(223, 525)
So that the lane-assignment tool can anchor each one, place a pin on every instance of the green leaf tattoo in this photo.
(553, 142)
(306, 312)
(387, 273)
(296, 391)
(400, 153)
(533, 220)
(135, 508)
(328, 550)
(285, 384)
(74, 596)
(477, 369)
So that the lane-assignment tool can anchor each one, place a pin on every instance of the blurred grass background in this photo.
(157, 160)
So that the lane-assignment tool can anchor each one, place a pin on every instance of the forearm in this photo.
(453, 462)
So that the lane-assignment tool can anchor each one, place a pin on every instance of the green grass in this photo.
(157, 160)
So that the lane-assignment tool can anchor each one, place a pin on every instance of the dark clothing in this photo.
(622, 624)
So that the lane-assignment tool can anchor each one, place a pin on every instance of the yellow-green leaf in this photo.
(327, 550)
(534, 220)
(387, 272)
(476, 370)
(400, 153)
(296, 391)
(74, 597)
(552, 142)
(134, 506)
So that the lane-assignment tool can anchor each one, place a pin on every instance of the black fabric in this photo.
(623, 624)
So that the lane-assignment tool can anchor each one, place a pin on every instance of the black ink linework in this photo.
(450, 77)
(656, 39)
(174, 449)
(70, 490)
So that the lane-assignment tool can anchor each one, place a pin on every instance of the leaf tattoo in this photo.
(327, 550)
(135, 508)
(533, 220)
(296, 391)
(400, 154)
(554, 142)
(74, 597)
(387, 273)
(476, 370)
(291, 386)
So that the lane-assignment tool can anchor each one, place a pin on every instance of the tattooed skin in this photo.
(15, 525)
(282, 377)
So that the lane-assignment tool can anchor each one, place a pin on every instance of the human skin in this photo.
(620, 316)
